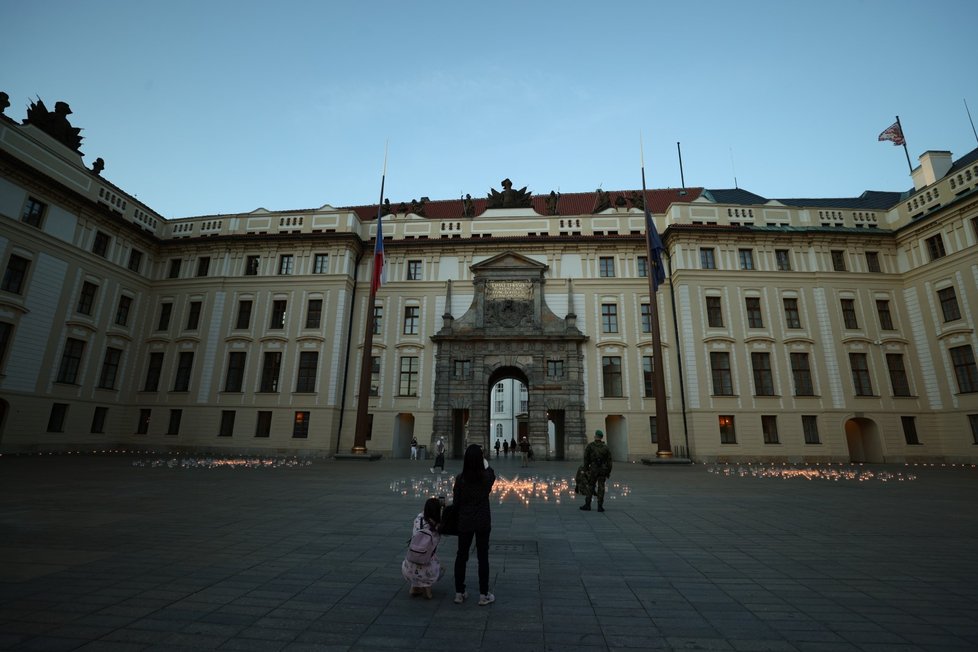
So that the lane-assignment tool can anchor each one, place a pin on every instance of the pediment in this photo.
(508, 261)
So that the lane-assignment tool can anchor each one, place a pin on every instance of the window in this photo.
(654, 429)
(153, 371)
(70, 361)
(174, 268)
(611, 374)
(801, 373)
(87, 298)
(122, 311)
(185, 363)
(308, 366)
(203, 265)
(166, 309)
(244, 314)
(135, 260)
(883, 310)
(910, 430)
(263, 426)
(235, 375)
(6, 331)
(647, 377)
(408, 381)
(33, 212)
(754, 317)
(792, 318)
(193, 316)
(642, 265)
(300, 425)
(849, 313)
(110, 368)
(714, 313)
(15, 274)
(142, 425)
(720, 369)
(973, 422)
(555, 368)
(320, 264)
(285, 264)
(500, 405)
(414, 270)
(838, 260)
(935, 247)
(499, 430)
(98, 420)
(809, 425)
(270, 369)
(173, 428)
(251, 266)
(314, 313)
(763, 376)
(227, 423)
(708, 258)
(462, 368)
(375, 375)
(378, 319)
(606, 267)
(873, 262)
(769, 427)
(898, 374)
(949, 304)
(56, 419)
(100, 247)
(278, 314)
(411, 314)
(782, 260)
(860, 374)
(609, 318)
(727, 433)
(646, 309)
(963, 359)
(746, 257)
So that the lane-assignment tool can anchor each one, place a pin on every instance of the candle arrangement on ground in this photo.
(828, 471)
(524, 490)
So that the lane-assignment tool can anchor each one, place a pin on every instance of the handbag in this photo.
(449, 521)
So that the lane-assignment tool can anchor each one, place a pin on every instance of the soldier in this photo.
(597, 469)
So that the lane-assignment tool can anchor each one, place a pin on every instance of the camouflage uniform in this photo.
(597, 469)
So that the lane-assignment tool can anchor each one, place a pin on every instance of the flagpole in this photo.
(904, 135)
(658, 366)
(969, 119)
(366, 356)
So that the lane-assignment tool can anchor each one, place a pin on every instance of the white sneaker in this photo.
(460, 597)
(486, 598)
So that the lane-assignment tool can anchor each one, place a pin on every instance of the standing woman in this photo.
(471, 495)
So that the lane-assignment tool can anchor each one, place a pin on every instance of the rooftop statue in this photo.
(552, 200)
(55, 124)
(468, 208)
(509, 198)
(601, 201)
(4, 102)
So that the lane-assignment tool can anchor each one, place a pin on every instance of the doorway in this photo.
(460, 431)
(556, 436)
(863, 441)
(616, 436)
(403, 434)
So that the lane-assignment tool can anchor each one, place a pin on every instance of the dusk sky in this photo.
(210, 107)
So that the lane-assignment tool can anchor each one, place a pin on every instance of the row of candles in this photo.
(524, 490)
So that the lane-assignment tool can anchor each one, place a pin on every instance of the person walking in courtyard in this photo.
(421, 566)
(439, 455)
(524, 450)
(505, 448)
(597, 469)
(497, 448)
(414, 448)
(471, 496)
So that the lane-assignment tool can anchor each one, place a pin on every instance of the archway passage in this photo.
(509, 402)
(863, 441)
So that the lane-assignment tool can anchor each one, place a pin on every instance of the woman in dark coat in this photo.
(471, 495)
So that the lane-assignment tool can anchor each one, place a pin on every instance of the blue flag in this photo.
(657, 271)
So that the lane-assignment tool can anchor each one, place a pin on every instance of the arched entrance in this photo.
(509, 405)
(616, 436)
(403, 434)
(863, 440)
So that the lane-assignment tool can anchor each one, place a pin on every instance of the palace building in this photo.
(826, 329)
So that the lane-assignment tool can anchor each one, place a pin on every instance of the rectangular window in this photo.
(883, 310)
(414, 270)
(286, 264)
(646, 317)
(728, 435)
(860, 374)
(227, 423)
(142, 426)
(801, 373)
(375, 375)
(963, 359)
(754, 317)
(185, 363)
(87, 298)
(782, 260)
(809, 425)
(203, 265)
(769, 427)
(100, 247)
(193, 316)
(244, 314)
(263, 426)
(606, 267)
(500, 405)
(135, 260)
(763, 376)
(611, 375)
(314, 313)
(647, 376)
(98, 420)
(973, 418)
(609, 318)
(720, 370)
(110, 368)
(122, 311)
(320, 263)
(173, 428)
(71, 361)
(378, 319)
(555, 368)
(838, 260)
(270, 370)
(462, 369)
(251, 266)
(308, 366)
(714, 313)
(6, 332)
(166, 309)
(792, 318)
(746, 257)
(33, 212)
(15, 274)
(300, 426)
(56, 419)
(236, 369)
(408, 381)
(278, 314)
(174, 271)
(949, 304)
(849, 313)
(935, 247)
(411, 315)
(910, 430)
(642, 265)
(708, 258)
(153, 371)
(898, 374)
(873, 262)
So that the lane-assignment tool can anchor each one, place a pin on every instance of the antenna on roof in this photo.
(970, 120)
(733, 168)
(682, 179)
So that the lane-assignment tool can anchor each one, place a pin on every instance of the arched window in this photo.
(499, 430)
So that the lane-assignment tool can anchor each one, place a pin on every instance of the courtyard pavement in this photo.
(99, 553)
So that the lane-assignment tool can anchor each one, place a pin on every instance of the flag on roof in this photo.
(380, 269)
(658, 272)
(893, 133)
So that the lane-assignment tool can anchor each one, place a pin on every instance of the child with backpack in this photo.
(421, 566)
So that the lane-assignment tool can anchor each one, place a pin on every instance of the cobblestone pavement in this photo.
(97, 553)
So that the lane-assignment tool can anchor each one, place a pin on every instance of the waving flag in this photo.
(893, 133)
(380, 269)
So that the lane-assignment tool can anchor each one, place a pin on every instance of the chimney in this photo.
(933, 166)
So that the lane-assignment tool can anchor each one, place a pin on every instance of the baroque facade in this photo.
(792, 329)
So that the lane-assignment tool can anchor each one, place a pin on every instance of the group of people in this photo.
(439, 453)
(524, 449)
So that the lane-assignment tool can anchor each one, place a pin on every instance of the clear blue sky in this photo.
(209, 107)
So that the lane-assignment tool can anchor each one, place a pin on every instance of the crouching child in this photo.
(421, 566)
